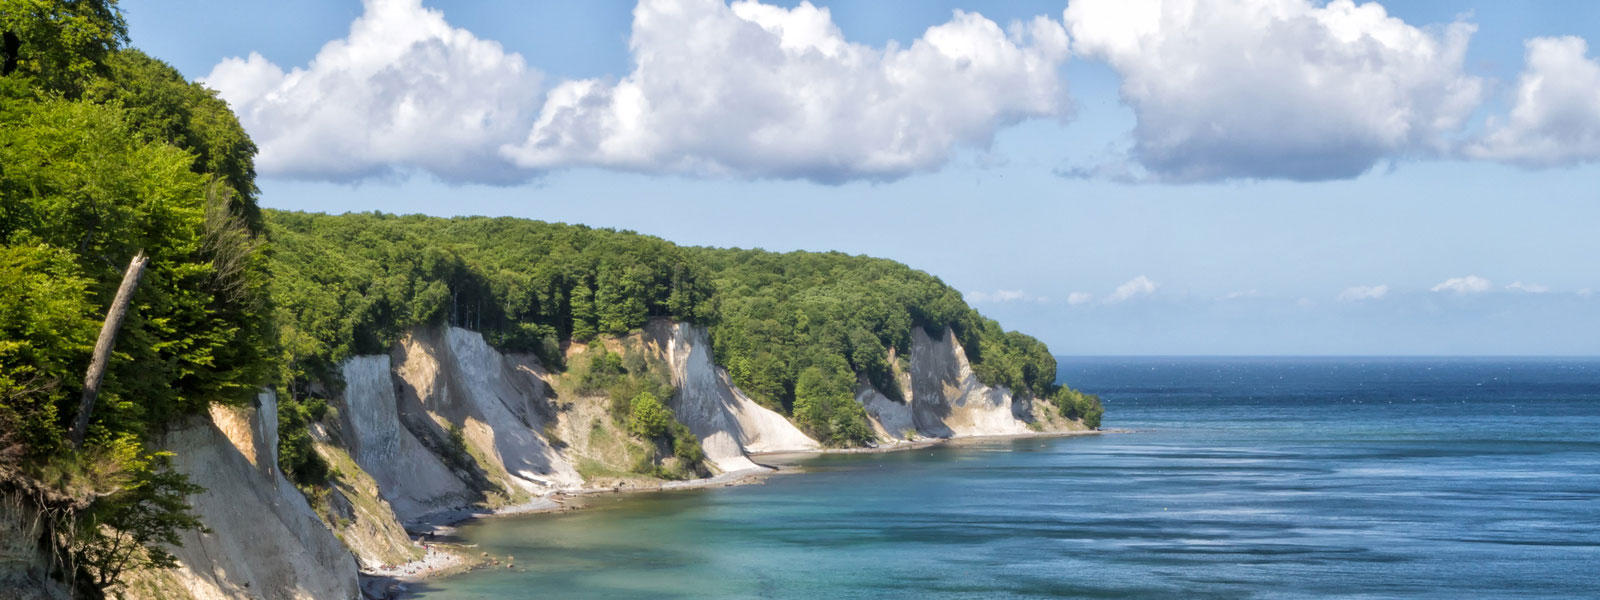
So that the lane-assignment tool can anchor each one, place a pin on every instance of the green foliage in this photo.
(605, 370)
(686, 447)
(106, 152)
(825, 406)
(84, 185)
(649, 418)
(621, 377)
(1074, 404)
(458, 442)
(46, 328)
(836, 318)
(135, 527)
(297, 452)
(64, 43)
(352, 284)
(162, 106)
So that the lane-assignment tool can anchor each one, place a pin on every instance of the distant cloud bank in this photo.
(998, 296)
(1471, 284)
(1221, 90)
(1133, 288)
(1363, 292)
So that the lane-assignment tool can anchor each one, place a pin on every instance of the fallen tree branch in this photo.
(103, 345)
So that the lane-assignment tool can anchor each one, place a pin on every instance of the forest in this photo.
(105, 154)
(795, 330)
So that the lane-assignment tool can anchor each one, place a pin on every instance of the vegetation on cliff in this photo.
(795, 331)
(353, 284)
(105, 152)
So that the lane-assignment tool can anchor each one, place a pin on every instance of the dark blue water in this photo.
(1242, 478)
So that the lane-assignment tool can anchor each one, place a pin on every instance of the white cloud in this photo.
(761, 91)
(1531, 288)
(747, 90)
(998, 296)
(1277, 88)
(1364, 292)
(1133, 288)
(403, 90)
(1555, 120)
(1076, 298)
(1471, 284)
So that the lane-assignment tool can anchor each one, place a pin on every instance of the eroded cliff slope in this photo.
(264, 539)
(446, 425)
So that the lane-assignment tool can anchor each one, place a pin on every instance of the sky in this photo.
(1142, 177)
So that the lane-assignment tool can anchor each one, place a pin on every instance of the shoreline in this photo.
(439, 562)
(899, 446)
(444, 557)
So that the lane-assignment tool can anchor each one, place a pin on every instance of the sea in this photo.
(1220, 478)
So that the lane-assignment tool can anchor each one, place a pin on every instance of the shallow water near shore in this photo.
(1254, 477)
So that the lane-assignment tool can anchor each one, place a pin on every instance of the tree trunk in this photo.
(102, 346)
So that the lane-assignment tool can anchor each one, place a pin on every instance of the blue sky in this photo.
(1312, 195)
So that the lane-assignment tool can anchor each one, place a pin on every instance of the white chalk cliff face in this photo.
(496, 399)
(729, 424)
(265, 541)
(397, 412)
(25, 565)
(413, 479)
(944, 399)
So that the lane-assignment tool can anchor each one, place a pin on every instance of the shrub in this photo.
(649, 418)
(686, 446)
(1074, 404)
(297, 454)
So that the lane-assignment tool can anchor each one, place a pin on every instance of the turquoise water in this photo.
(1242, 478)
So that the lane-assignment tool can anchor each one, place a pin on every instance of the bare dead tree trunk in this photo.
(102, 346)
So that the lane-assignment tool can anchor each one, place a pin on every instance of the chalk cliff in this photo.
(264, 540)
(446, 423)
(945, 399)
(729, 424)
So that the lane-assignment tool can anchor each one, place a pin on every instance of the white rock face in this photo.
(945, 398)
(492, 396)
(24, 566)
(265, 541)
(890, 419)
(412, 479)
(728, 423)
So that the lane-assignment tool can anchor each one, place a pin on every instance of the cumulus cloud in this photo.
(1555, 119)
(1471, 284)
(763, 91)
(1076, 298)
(998, 296)
(1531, 288)
(1363, 292)
(403, 90)
(1277, 88)
(747, 90)
(1133, 288)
